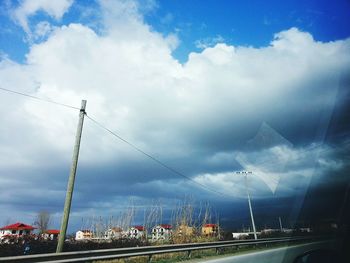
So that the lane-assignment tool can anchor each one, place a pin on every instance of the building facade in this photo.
(83, 235)
(210, 230)
(137, 232)
(161, 232)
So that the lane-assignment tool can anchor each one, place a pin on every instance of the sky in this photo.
(204, 88)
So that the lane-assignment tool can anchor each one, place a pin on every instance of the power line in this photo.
(41, 99)
(154, 158)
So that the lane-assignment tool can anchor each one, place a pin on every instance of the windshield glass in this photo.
(173, 121)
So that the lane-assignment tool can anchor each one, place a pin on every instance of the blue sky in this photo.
(248, 23)
(206, 88)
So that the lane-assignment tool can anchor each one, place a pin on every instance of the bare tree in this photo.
(183, 220)
(152, 216)
(42, 221)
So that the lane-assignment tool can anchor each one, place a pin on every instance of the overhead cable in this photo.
(154, 158)
(41, 99)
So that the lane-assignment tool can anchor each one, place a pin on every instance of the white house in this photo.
(161, 232)
(114, 233)
(136, 232)
(83, 235)
(241, 235)
(51, 234)
(17, 229)
(269, 231)
(305, 230)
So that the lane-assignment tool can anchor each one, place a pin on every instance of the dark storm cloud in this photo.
(196, 117)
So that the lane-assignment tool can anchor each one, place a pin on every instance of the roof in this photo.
(210, 225)
(139, 228)
(166, 226)
(18, 226)
(52, 231)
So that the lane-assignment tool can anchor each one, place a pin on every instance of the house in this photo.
(161, 232)
(18, 229)
(83, 235)
(136, 232)
(114, 233)
(51, 234)
(241, 235)
(287, 230)
(305, 230)
(184, 230)
(210, 230)
(269, 231)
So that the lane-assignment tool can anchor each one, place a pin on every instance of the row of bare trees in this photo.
(187, 214)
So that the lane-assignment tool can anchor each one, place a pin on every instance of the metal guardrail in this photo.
(118, 253)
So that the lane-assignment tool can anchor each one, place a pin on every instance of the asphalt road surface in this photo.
(277, 255)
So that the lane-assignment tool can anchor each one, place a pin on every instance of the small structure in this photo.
(136, 232)
(16, 230)
(269, 231)
(287, 230)
(184, 230)
(241, 235)
(210, 230)
(83, 235)
(305, 230)
(161, 232)
(51, 234)
(114, 233)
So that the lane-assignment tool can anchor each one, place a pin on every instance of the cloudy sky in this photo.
(207, 89)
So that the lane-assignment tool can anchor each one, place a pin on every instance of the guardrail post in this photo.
(189, 253)
(150, 258)
(217, 250)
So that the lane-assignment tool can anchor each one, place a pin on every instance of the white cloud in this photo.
(42, 29)
(279, 169)
(181, 113)
(28, 8)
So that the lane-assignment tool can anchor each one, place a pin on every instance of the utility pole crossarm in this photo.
(71, 180)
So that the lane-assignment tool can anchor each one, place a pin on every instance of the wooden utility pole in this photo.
(70, 186)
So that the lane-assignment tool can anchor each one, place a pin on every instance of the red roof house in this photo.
(136, 232)
(210, 229)
(17, 229)
(52, 232)
(165, 226)
(18, 226)
(139, 228)
(161, 232)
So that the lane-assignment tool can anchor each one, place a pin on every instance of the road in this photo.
(276, 255)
